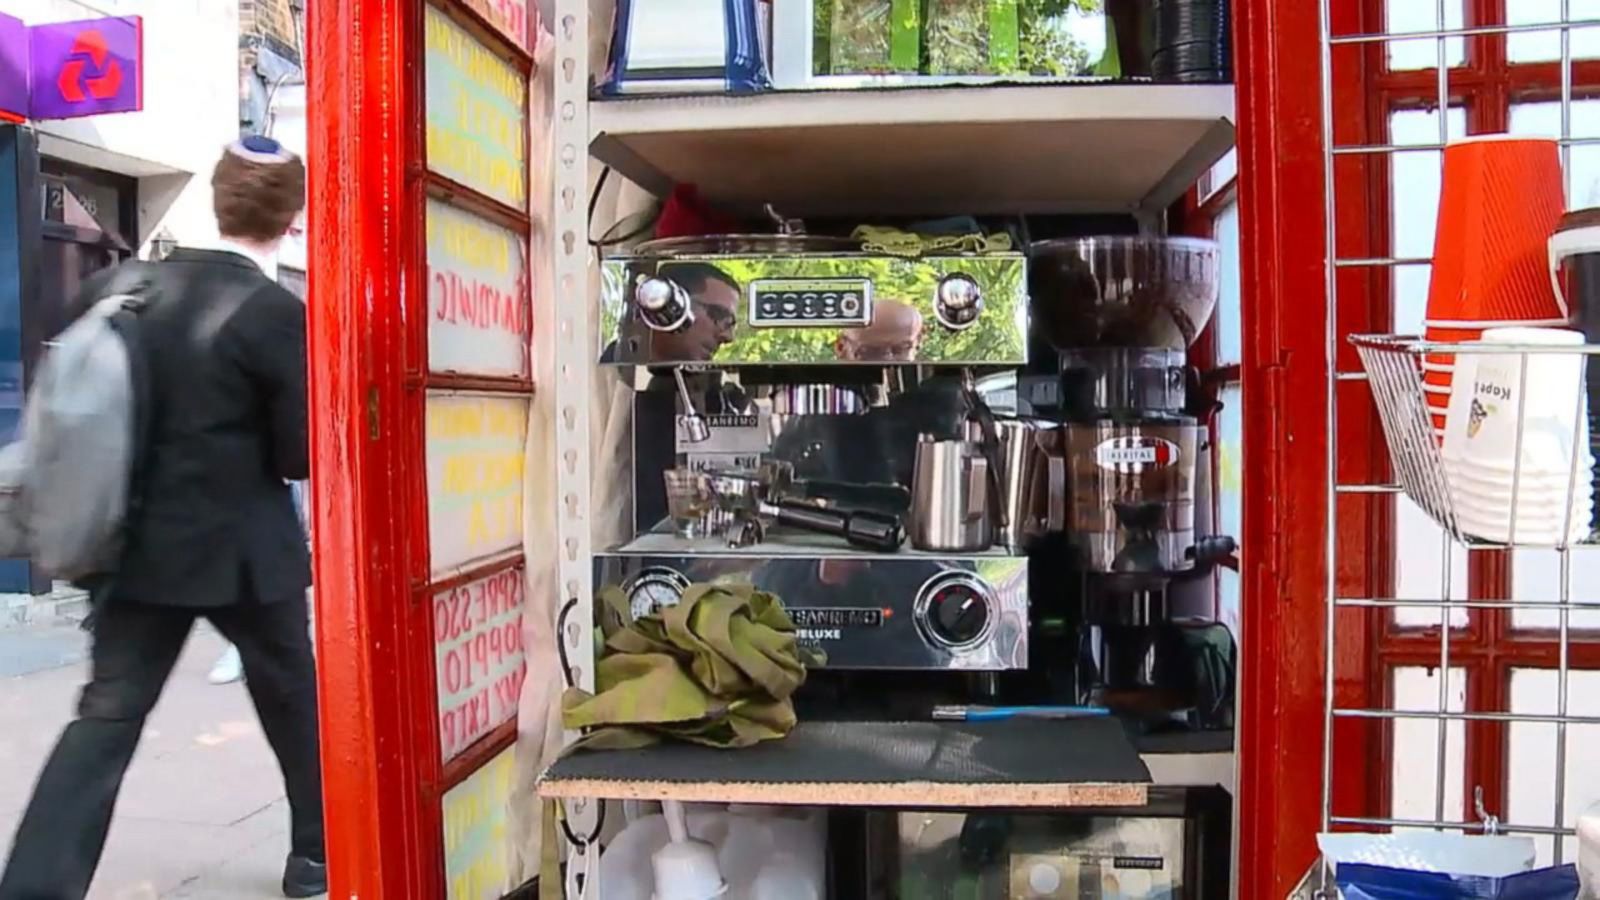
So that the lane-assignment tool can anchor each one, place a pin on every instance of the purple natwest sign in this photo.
(73, 69)
(13, 69)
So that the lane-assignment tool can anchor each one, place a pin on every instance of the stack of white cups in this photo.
(1510, 492)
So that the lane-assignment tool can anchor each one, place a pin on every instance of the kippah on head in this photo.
(257, 189)
(258, 148)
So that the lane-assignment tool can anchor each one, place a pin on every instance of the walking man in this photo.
(213, 533)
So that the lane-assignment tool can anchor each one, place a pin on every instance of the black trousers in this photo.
(63, 831)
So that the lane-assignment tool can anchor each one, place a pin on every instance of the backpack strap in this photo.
(135, 286)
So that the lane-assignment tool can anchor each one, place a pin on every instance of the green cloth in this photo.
(718, 669)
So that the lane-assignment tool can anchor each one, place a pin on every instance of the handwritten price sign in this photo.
(477, 639)
(479, 310)
(477, 113)
(475, 447)
(476, 850)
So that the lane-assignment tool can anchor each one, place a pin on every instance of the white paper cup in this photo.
(1495, 396)
(1534, 521)
(1488, 477)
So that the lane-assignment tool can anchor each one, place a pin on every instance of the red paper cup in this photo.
(1442, 334)
(1486, 324)
(1500, 201)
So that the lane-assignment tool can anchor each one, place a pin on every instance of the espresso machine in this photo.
(1133, 596)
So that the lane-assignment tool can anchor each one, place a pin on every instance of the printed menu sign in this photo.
(509, 17)
(479, 311)
(477, 861)
(477, 106)
(475, 446)
(478, 655)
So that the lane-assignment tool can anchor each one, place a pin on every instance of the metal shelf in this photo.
(1062, 148)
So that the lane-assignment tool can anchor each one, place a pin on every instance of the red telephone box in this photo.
(423, 226)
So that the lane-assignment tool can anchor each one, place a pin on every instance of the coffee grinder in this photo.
(1121, 312)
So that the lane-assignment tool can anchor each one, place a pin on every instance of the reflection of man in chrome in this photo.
(893, 335)
(714, 300)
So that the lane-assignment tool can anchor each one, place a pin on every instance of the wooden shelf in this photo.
(1016, 764)
(912, 794)
(1059, 148)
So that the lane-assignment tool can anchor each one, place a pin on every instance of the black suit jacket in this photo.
(215, 524)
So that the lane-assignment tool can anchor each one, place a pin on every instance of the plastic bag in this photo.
(1491, 856)
(1366, 882)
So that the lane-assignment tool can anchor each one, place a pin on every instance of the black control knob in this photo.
(955, 611)
(662, 304)
(957, 301)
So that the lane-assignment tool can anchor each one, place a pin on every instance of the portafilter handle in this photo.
(861, 528)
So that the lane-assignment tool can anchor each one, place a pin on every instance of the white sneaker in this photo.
(228, 669)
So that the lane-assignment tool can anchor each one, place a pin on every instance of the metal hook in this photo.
(1491, 824)
(784, 225)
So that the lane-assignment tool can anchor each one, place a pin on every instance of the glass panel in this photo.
(1414, 175)
(1230, 494)
(1419, 561)
(1536, 576)
(1228, 594)
(1414, 207)
(1417, 15)
(1409, 285)
(1229, 305)
(1531, 784)
(1545, 46)
(1415, 761)
(1583, 181)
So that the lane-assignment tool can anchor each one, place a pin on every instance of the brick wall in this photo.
(269, 23)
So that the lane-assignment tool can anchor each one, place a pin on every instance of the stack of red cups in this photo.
(1500, 201)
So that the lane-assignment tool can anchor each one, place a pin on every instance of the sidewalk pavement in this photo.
(202, 813)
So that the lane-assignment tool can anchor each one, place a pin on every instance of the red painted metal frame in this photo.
(365, 273)
(383, 777)
(1284, 371)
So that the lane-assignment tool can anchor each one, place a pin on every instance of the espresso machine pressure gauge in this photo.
(662, 303)
(955, 610)
(957, 301)
(654, 589)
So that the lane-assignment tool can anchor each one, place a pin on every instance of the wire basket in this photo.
(1507, 459)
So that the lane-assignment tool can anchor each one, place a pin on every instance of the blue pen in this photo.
(999, 713)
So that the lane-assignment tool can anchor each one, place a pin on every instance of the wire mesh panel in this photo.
(1539, 36)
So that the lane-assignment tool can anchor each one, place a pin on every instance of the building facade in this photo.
(85, 193)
